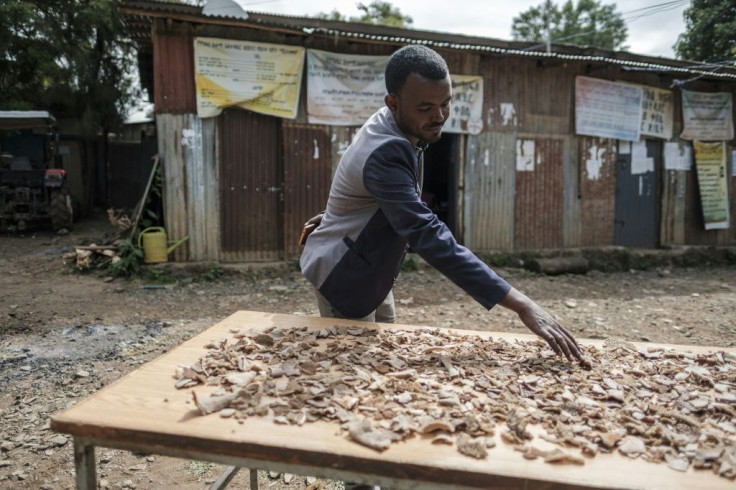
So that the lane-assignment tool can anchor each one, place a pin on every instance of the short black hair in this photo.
(413, 59)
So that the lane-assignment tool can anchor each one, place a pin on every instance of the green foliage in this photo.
(212, 274)
(159, 276)
(130, 261)
(710, 31)
(376, 12)
(152, 208)
(68, 57)
(589, 22)
(411, 262)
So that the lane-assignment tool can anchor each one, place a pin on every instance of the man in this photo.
(374, 212)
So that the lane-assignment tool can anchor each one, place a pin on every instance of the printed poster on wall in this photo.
(710, 162)
(466, 110)
(261, 77)
(707, 116)
(344, 89)
(607, 109)
(677, 156)
(657, 112)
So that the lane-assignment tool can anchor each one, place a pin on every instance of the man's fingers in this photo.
(562, 343)
(552, 341)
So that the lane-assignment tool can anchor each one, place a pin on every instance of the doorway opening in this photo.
(439, 191)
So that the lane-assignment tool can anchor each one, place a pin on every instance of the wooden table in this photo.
(144, 412)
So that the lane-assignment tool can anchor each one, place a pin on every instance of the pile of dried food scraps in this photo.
(384, 386)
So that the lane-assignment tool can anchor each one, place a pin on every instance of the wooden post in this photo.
(84, 462)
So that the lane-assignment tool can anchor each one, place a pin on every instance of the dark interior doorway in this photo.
(440, 179)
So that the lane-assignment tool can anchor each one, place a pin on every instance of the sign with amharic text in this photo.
(607, 109)
(707, 116)
(657, 112)
(710, 162)
(344, 89)
(466, 110)
(261, 77)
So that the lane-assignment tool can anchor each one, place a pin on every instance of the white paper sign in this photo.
(344, 89)
(466, 110)
(657, 112)
(607, 109)
(640, 162)
(707, 116)
(524, 155)
(677, 156)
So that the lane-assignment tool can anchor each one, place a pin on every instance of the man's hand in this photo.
(309, 227)
(543, 325)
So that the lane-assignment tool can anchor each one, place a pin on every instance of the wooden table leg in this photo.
(84, 461)
(253, 479)
(225, 478)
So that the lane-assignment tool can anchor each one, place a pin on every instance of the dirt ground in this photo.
(65, 335)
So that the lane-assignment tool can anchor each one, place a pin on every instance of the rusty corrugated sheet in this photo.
(597, 190)
(187, 149)
(571, 207)
(173, 70)
(539, 196)
(672, 231)
(202, 206)
(169, 130)
(488, 220)
(340, 139)
(250, 186)
(307, 177)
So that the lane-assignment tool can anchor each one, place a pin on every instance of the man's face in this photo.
(421, 107)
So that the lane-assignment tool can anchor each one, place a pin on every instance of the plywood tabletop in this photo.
(144, 408)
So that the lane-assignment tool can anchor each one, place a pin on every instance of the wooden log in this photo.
(559, 265)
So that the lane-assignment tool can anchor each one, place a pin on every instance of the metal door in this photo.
(637, 210)
(250, 187)
(307, 177)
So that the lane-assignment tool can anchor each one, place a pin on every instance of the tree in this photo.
(589, 22)
(710, 33)
(376, 12)
(68, 57)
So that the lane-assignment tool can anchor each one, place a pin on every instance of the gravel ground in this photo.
(65, 335)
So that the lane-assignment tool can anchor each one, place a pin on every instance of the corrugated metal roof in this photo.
(310, 26)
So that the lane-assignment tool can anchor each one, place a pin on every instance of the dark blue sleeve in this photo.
(390, 178)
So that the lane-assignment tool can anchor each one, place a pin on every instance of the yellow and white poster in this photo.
(710, 162)
(261, 77)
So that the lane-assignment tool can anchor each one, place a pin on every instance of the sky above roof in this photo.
(653, 25)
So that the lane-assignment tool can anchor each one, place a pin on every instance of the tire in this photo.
(60, 210)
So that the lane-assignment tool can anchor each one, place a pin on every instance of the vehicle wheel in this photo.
(60, 210)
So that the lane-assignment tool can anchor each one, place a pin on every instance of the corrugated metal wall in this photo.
(188, 155)
(489, 192)
(558, 204)
(674, 197)
(597, 190)
(539, 197)
(202, 202)
(250, 189)
(173, 69)
(169, 130)
(307, 176)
